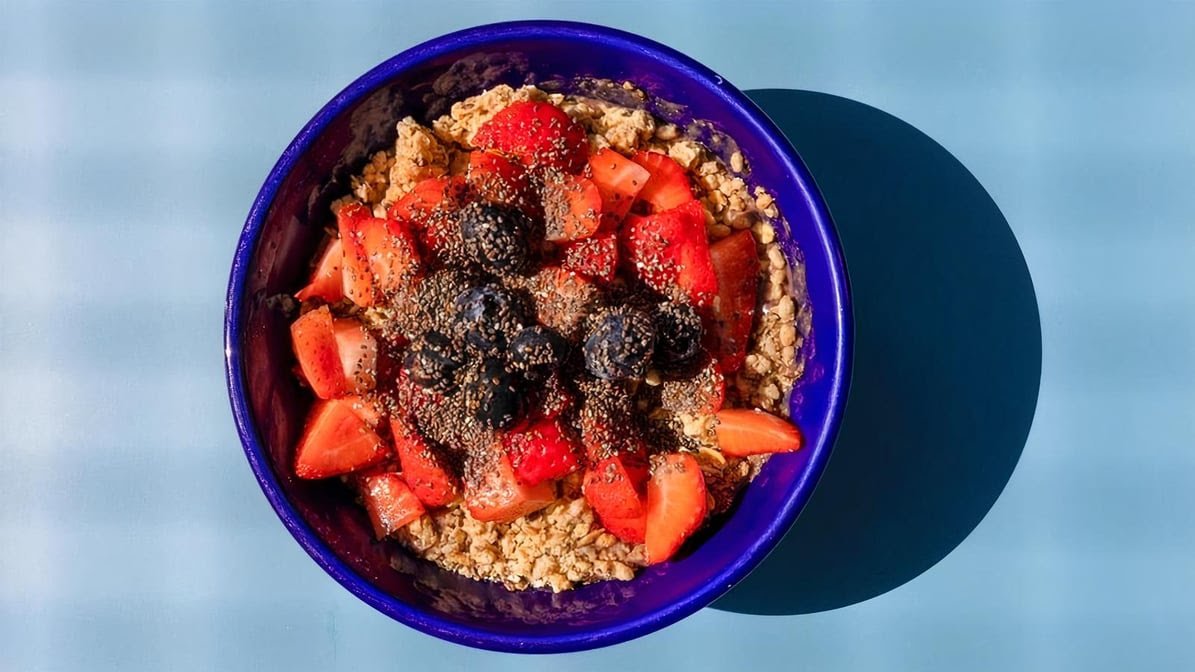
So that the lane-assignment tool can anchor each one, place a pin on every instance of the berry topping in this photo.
(433, 362)
(487, 317)
(493, 396)
(497, 237)
(539, 134)
(621, 344)
(536, 351)
(678, 334)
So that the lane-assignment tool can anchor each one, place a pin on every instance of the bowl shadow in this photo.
(947, 361)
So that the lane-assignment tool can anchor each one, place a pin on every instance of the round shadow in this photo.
(947, 361)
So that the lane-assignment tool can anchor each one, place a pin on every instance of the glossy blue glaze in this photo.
(280, 235)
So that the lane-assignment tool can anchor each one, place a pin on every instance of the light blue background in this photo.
(133, 137)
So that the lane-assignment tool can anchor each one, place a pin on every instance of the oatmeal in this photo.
(551, 337)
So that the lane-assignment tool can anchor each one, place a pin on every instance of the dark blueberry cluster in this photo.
(434, 360)
(621, 343)
(678, 334)
(497, 238)
(487, 317)
(494, 394)
(537, 351)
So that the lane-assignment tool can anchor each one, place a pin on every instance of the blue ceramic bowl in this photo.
(285, 226)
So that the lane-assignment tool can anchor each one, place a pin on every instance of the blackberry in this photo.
(678, 334)
(433, 362)
(497, 238)
(537, 351)
(492, 394)
(621, 344)
(487, 317)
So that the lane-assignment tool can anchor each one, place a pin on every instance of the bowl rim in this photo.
(839, 369)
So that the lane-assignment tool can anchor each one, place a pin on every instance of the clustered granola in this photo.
(564, 545)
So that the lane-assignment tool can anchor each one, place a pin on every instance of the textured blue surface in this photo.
(133, 136)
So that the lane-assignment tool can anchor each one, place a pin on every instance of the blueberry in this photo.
(433, 362)
(620, 345)
(487, 317)
(537, 351)
(678, 334)
(497, 237)
(493, 394)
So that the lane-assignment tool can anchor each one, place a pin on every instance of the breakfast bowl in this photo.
(286, 224)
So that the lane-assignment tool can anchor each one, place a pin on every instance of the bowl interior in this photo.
(289, 220)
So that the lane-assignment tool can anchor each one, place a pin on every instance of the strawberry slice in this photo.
(595, 257)
(390, 503)
(499, 180)
(546, 450)
(631, 530)
(701, 393)
(563, 299)
(619, 180)
(668, 186)
(358, 351)
(336, 441)
(746, 431)
(572, 207)
(540, 135)
(380, 256)
(499, 497)
(370, 411)
(313, 337)
(669, 252)
(422, 468)
(614, 486)
(326, 282)
(676, 505)
(736, 266)
(428, 210)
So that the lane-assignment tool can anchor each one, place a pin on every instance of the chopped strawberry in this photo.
(701, 393)
(314, 339)
(422, 468)
(614, 486)
(676, 505)
(389, 502)
(632, 530)
(369, 410)
(744, 431)
(326, 282)
(499, 180)
(427, 200)
(619, 180)
(563, 299)
(572, 207)
(555, 398)
(736, 265)
(380, 256)
(538, 134)
(595, 257)
(668, 186)
(669, 252)
(336, 441)
(546, 450)
(358, 354)
(499, 497)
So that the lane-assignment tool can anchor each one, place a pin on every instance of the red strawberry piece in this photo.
(701, 393)
(369, 410)
(540, 135)
(380, 256)
(669, 252)
(326, 280)
(390, 503)
(614, 486)
(668, 187)
(423, 469)
(572, 207)
(563, 299)
(595, 257)
(745, 431)
(619, 180)
(736, 266)
(544, 451)
(499, 180)
(676, 505)
(497, 495)
(358, 351)
(313, 337)
(555, 398)
(336, 441)
(631, 530)
(427, 200)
